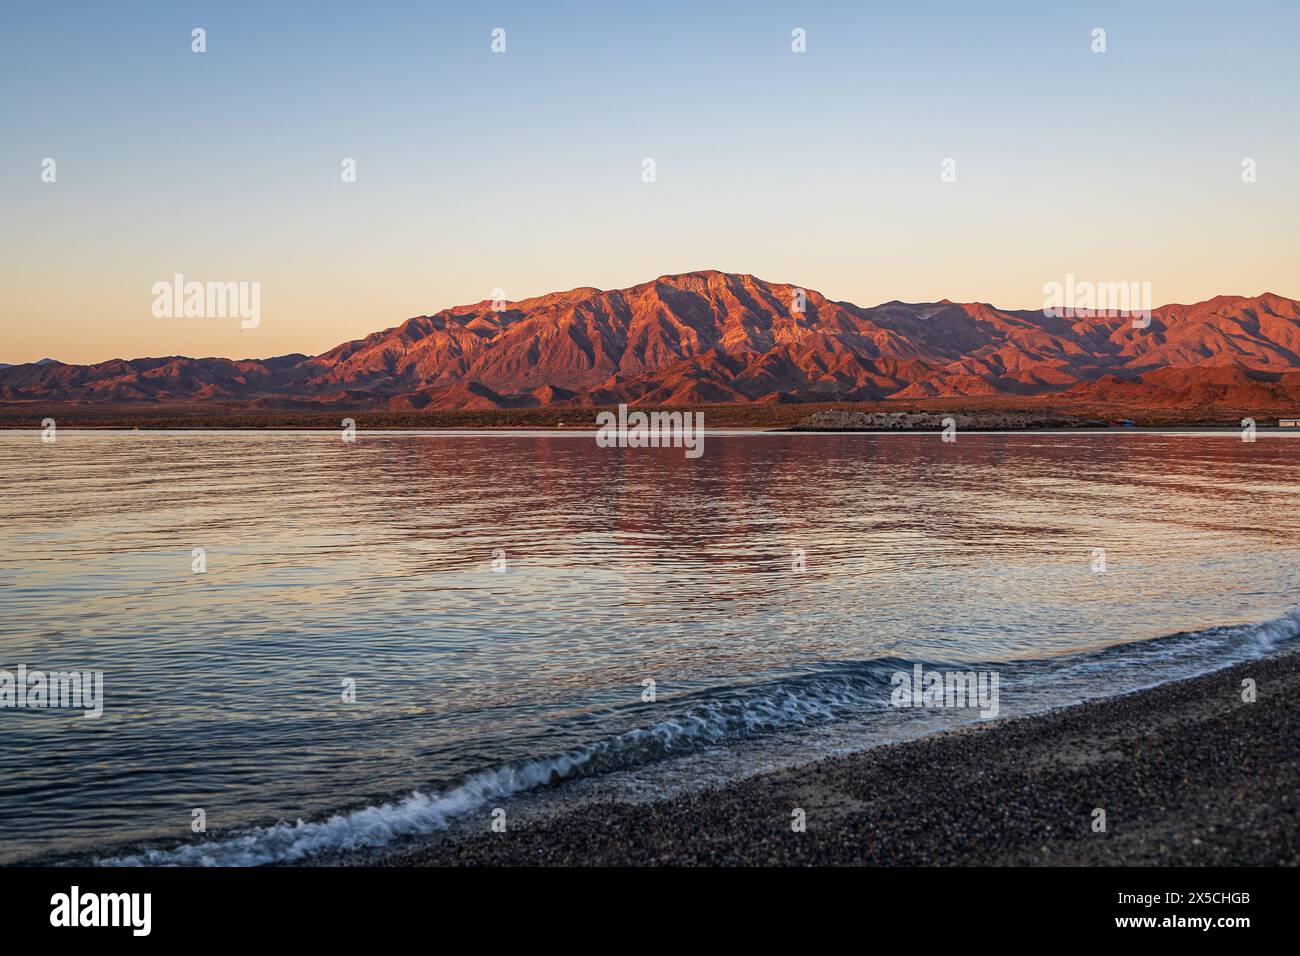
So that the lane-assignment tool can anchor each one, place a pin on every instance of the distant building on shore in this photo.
(1288, 423)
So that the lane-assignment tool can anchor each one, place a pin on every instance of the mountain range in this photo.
(720, 338)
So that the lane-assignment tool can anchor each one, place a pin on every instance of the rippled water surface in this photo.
(373, 561)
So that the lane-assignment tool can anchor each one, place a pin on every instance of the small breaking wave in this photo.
(844, 691)
(704, 722)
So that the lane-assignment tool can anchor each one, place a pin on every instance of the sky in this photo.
(523, 170)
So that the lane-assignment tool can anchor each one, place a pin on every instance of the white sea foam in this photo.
(738, 714)
(706, 722)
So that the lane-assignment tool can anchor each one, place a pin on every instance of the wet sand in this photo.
(1188, 774)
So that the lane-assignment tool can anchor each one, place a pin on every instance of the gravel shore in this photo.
(1187, 773)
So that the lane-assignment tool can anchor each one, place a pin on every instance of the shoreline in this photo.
(1187, 772)
(588, 430)
(885, 415)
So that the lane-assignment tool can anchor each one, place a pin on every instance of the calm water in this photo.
(475, 688)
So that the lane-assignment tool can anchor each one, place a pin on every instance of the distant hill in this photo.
(713, 337)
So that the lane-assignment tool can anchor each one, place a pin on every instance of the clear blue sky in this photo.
(522, 170)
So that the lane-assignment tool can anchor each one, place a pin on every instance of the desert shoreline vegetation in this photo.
(817, 417)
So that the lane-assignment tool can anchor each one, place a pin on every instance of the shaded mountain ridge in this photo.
(720, 338)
